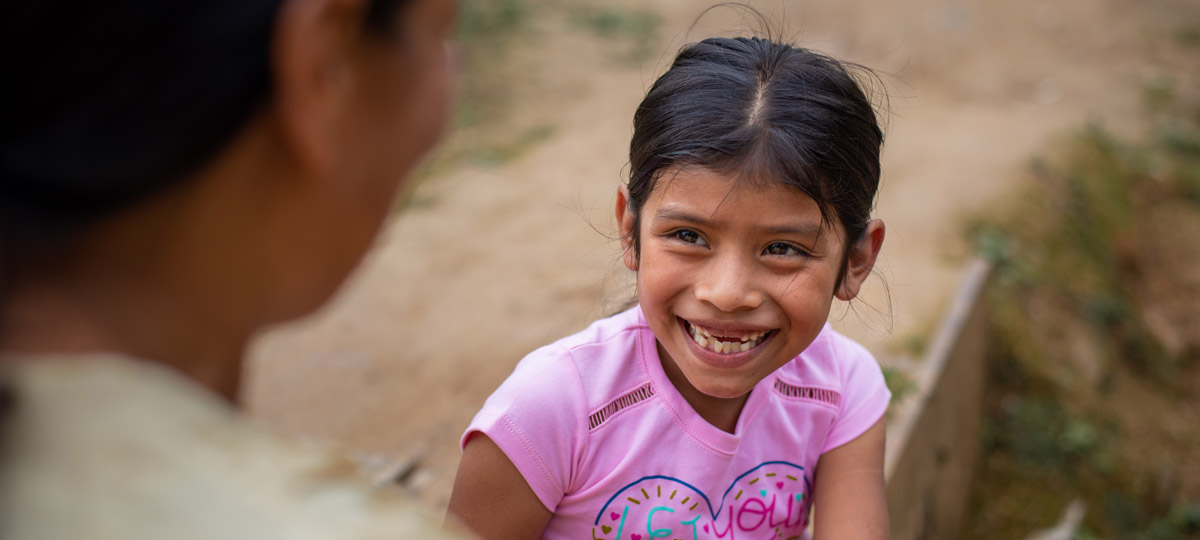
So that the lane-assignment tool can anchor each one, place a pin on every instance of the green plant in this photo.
(501, 153)
(898, 382)
(481, 20)
(1105, 231)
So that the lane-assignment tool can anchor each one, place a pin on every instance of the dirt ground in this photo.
(490, 262)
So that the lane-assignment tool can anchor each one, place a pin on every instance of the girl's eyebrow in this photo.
(673, 214)
(807, 230)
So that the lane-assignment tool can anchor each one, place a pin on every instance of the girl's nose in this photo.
(727, 284)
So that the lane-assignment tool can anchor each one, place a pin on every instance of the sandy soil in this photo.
(491, 262)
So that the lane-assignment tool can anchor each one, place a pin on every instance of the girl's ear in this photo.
(861, 260)
(625, 224)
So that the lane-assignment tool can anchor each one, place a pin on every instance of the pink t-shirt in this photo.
(611, 447)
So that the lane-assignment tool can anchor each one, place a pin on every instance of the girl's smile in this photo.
(724, 341)
(735, 278)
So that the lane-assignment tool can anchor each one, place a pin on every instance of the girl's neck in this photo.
(722, 413)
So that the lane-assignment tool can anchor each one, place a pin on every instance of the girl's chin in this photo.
(720, 389)
(712, 381)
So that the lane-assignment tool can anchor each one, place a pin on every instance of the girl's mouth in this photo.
(725, 341)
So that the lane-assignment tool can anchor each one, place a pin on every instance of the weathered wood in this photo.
(934, 436)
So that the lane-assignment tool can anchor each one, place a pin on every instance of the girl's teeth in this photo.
(745, 343)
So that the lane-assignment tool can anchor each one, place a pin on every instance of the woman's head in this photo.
(109, 104)
(764, 112)
(235, 157)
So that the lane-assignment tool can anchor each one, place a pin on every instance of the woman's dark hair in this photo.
(104, 104)
(769, 112)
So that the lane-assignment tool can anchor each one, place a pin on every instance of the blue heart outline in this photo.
(715, 515)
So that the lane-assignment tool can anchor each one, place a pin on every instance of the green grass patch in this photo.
(899, 383)
(486, 33)
(489, 20)
(633, 32)
(504, 152)
(1082, 388)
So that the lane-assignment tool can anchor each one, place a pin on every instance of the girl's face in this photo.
(734, 282)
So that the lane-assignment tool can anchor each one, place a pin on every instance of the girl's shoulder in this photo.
(540, 416)
(612, 332)
(832, 361)
(840, 375)
(604, 360)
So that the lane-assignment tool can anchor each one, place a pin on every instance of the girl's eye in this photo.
(783, 250)
(689, 236)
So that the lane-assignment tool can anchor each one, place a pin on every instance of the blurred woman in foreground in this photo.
(173, 177)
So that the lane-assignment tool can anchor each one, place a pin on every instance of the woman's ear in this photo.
(625, 225)
(311, 55)
(861, 260)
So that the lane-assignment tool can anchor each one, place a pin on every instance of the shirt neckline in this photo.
(687, 417)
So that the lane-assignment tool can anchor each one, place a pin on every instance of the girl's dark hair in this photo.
(769, 112)
(104, 104)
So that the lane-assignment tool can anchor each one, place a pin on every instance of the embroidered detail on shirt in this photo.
(829, 397)
(771, 500)
(641, 394)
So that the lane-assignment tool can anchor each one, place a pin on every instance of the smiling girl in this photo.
(722, 405)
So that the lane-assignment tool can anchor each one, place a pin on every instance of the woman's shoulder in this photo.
(202, 467)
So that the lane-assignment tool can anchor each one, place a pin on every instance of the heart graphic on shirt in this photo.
(770, 497)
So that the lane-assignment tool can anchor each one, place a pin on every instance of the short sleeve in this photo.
(536, 418)
(865, 395)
